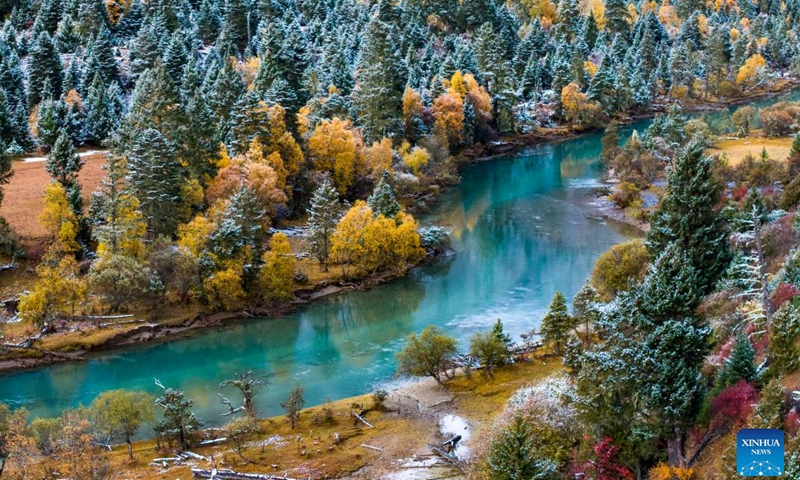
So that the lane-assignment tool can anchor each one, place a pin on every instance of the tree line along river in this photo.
(522, 228)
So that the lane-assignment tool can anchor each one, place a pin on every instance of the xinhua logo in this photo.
(759, 452)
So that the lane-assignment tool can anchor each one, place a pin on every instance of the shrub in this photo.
(625, 194)
(662, 471)
(619, 265)
(734, 404)
(776, 123)
(434, 239)
(378, 397)
(743, 119)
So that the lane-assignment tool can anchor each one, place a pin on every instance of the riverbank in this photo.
(330, 442)
(89, 336)
(179, 321)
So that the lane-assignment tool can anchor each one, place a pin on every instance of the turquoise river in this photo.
(522, 227)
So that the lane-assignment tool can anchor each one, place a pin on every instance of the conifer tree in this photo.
(154, 104)
(155, 178)
(513, 454)
(617, 17)
(684, 217)
(119, 226)
(602, 89)
(44, 70)
(49, 15)
(585, 312)
(784, 354)
(208, 21)
(382, 201)
(63, 164)
(100, 121)
(323, 214)
(557, 324)
(148, 47)
(241, 228)
(741, 363)
(51, 118)
(66, 39)
(102, 51)
(379, 82)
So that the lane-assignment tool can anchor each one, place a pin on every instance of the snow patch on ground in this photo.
(451, 425)
(82, 154)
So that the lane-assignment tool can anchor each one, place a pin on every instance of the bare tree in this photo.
(249, 386)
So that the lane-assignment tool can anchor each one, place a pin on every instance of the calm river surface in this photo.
(522, 227)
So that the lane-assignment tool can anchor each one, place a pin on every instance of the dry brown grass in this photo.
(738, 149)
(317, 455)
(23, 197)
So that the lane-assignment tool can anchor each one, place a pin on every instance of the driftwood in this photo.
(377, 449)
(231, 475)
(215, 441)
(363, 421)
(195, 456)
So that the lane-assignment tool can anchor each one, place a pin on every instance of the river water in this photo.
(523, 227)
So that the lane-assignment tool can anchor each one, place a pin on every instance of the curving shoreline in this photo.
(180, 328)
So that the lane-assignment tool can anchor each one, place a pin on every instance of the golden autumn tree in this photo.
(277, 273)
(335, 147)
(57, 293)
(448, 114)
(378, 157)
(59, 220)
(416, 159)
(578, 108)
(282, 141)
(265, 174)
(413, 109)
(364, 244)
(223, 290)
(193, 235)
(347, 241)
(750, 72)
(480, 99)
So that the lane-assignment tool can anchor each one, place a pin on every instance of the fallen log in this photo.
(231, 475)
(377, 449)
(195, 456)
(215, 441)
(363, 421)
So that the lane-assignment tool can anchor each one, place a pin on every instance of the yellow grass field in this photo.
(778, 148)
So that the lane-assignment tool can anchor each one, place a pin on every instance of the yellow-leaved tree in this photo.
(223, 290)
(57, 292)
(335, 147)
(277, 273)
(59, 220)
(416, 159)
(364, 244)
(448, 114)
(578, 108)
(378, 157)
(751, 71)
(193, 235)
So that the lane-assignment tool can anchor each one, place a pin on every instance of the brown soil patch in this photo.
(23, 197)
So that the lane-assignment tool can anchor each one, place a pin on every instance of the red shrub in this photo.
(733, 405)
(606, 466)
(785, 292)
(792, 423)
(738, 193)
